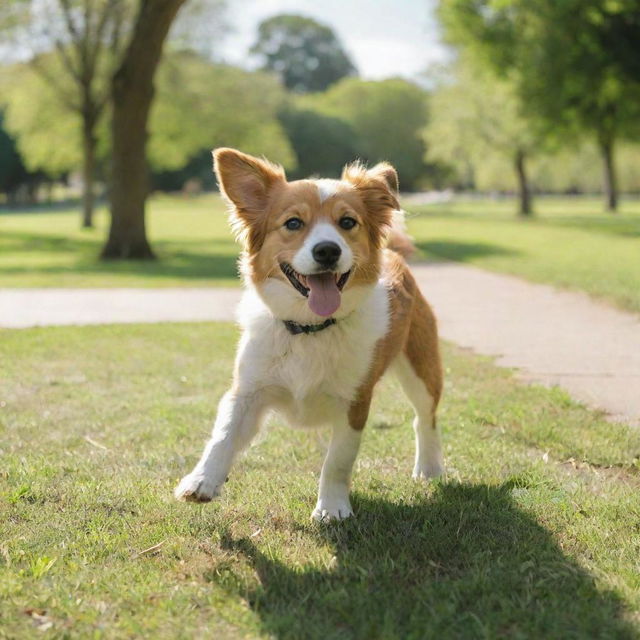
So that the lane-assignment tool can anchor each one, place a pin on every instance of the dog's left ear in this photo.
(378, 188)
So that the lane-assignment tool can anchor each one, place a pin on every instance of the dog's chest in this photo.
(332, 363)
(320, 369)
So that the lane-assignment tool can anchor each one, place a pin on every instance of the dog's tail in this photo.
(398, 239)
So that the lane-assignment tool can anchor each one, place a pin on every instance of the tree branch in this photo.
(54, 82)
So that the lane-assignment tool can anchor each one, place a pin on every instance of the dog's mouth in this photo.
(322, 289)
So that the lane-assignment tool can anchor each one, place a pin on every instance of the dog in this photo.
(327, 310)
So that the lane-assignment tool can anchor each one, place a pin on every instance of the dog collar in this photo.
(295, 329)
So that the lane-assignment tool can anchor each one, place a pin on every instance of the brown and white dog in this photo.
(326, 311)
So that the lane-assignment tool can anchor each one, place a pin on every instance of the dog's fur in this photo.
(326, 377)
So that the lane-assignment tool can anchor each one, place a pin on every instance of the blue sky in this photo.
(383, 37)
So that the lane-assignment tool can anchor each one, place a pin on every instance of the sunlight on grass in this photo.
(190, 236)
(569, 243)
(533, 533)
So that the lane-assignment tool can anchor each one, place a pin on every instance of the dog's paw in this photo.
(196, 487)
(426, 469)
(328, 510)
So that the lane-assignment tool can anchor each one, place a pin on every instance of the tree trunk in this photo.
(610, 179)
(88, 173)
(524, 192)
(132, 93)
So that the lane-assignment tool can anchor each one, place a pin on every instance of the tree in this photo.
(322, 144)
(387, 118)
(13, 173)
(475, 116)
(85, 38)
(48, 134)
(574, 62)
(306, 54)
(76, 46)
(241, 112)
(132, 92)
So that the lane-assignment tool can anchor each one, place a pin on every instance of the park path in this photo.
(552, 337)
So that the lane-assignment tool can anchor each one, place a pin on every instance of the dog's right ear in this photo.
(246, 182)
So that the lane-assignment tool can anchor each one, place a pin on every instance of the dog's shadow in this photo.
(464, 563)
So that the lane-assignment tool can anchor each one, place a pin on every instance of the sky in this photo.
(383, 37)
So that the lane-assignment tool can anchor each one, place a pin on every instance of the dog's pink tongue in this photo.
(324, 295)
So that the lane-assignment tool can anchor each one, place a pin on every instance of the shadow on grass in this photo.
(461, 251)
(27, 242)
(623, 227)
(46, 207)
(215, 259)
(465, 563)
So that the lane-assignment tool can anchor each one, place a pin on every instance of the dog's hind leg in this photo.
(428, 459)
(238, 420)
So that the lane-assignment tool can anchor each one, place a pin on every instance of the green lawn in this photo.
(190, 235)
(533, 533)
(570, 243)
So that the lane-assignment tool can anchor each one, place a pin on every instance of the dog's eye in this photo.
(293, 224)
(347, 222)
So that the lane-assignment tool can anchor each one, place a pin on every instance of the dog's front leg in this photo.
(333, 495)
(237, 422)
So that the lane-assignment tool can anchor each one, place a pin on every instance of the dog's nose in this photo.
(326, 253)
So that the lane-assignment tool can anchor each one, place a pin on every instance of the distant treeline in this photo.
(465, 126)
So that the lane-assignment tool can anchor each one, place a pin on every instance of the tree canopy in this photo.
(306, 54)
(387, 118)
(48, 134)
(75, 47)
(240, 111)
(573, 63)
(13, 173)
(322, 144)
(476, 116)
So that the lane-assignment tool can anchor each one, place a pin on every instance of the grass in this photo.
(49, 249)
(570, 243)
(533, 533)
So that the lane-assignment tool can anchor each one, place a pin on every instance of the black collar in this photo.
(295, 329)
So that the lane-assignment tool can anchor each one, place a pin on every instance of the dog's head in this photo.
(308, 243)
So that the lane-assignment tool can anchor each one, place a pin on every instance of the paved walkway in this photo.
(552, 337)
(21, 308)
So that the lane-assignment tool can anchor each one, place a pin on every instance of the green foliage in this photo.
(13, 173)
(578, 169)
(48, 134)
(387, 118)
(561, 56)
(476, 125)
(619, 32)
(573, 63)
(200, 106)
(188, 116)
(323, 144)
(306, 54)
